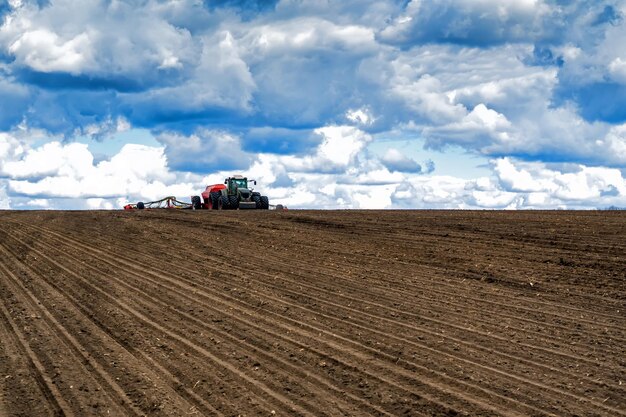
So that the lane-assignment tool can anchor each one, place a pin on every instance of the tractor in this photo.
(233, 194)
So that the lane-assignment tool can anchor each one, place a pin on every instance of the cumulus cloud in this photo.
(296, 91)
(478, 127)
(471, 22)
(395, 160)
(204, 151)
(56, 171)
(355, 179)
(518, 185)
(579, 185)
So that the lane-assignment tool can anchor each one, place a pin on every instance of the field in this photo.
(403, 313)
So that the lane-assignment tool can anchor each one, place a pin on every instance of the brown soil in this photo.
(416, 313)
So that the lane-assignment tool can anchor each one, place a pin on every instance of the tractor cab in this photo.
(244, 197)
(233, 184)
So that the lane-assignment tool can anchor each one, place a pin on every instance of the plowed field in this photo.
(416, 313)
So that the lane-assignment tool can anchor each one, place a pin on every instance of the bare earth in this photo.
(409, 313)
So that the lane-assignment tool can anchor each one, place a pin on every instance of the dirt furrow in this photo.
(527, 381)
(503, 339)
(40, 374)
(409, 291)
(410, 389)
(176, 336)
(478, 321)
(151, 400)
(25, 377)
(314, 312)
(484, 296)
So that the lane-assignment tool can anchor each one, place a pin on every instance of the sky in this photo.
(333, 104)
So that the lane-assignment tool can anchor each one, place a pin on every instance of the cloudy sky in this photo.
(326, 103)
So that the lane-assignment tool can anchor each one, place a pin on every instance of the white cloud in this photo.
(5, 201)
(68, 171)
(395, 160)
(470, 21)
(205, 150)
(302, 35)
(106, 128)
(615, 143)
(341, 144)
(102, 39)
(214, 85)
(51, 159)
(38, 203)
(425, 96)
(220, 79)
(617, 69)
(362, 116)
(356, 180)
(44, 51)
(481, 126)
(584, 185)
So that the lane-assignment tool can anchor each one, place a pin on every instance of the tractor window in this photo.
(241, 183)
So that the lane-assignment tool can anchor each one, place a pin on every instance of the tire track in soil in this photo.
(484, 300)
(449, 268)
(392, 238)
(304, 266)
(54, 397)
(174, 381)
(96, 371)
(240, 277)
(592, 362)
(256, 385)
(20, 379)
(436, 305)
(234, 411)
(241, 342)
(396, 311)
(523, 381)
(552, 304)
(105, 379)
(553, 369)
(444, 405)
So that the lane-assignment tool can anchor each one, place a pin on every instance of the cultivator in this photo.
(164, 203)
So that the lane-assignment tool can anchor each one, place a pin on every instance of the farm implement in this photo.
(167, 202)
(234, 194)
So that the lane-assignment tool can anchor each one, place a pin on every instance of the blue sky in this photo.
(327, 104)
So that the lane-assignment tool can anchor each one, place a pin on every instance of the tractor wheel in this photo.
(196, 203)
(257, 200)
(140, 205)
(225, 202)
(265, 202)
(234, 201)
(216, 200)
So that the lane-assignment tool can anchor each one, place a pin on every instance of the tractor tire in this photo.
(216, 200)
(225, 202)
(196, 202)
(257, 200)
(254, 193)
(140, 205)
(265, 202)
(234, 201)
